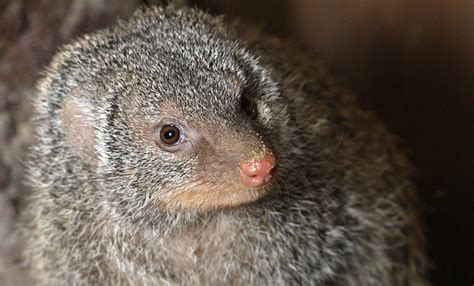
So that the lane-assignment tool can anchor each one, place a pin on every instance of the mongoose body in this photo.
(173, 149)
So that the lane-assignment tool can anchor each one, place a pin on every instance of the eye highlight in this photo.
(170, 134)
(249, 107)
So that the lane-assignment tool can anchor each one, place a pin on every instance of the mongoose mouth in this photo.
(209, 198)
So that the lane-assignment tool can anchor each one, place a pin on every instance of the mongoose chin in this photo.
(210, 198)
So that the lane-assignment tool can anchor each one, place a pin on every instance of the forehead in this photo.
(186, 65)
(193, 96)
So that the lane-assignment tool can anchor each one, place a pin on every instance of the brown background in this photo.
(411, 61)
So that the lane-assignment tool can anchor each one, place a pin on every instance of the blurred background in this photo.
(410, 61)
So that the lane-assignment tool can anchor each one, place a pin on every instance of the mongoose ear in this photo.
(78, 123)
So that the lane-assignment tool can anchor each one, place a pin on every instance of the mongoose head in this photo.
(171, 111)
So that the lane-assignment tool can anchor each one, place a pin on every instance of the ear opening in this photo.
(79, 125)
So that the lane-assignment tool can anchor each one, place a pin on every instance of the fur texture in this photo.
(112, 207)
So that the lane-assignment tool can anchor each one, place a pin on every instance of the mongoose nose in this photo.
(256, 173)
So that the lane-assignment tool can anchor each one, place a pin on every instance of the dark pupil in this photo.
(170, 134)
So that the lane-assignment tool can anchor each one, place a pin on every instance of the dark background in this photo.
(412, 62)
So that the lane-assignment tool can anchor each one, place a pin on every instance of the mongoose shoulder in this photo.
(176, 149)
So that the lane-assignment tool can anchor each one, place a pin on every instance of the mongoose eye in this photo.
(249, 107)
(170, 134)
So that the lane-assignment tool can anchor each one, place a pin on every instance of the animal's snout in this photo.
(257, 172)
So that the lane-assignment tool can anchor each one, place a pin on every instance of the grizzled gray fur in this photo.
(114, 206)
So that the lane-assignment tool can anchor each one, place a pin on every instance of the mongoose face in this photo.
(192, 124)
(206, 155)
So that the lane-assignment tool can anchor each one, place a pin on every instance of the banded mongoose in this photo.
(178, 149)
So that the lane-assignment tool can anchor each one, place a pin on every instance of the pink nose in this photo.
(256, 173)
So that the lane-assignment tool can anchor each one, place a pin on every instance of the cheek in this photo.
(164, 174)
(148, 187)
(149, 168)
(218, 168)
